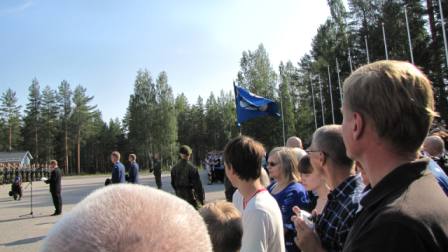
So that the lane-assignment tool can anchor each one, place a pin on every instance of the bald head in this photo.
(434, 145)
(129, 218)
(294, 142)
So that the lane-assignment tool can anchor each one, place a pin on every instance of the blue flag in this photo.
(249, 105)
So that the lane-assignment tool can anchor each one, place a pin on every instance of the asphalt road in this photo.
(21, 232)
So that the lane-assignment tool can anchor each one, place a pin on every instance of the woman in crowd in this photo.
(282, 167)
(313, 181)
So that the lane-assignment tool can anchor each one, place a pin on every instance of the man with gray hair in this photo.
(129, 217)
(294, 142)
(327, 154)
(435, 149)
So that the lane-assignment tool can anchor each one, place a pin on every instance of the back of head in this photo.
(328, 139)
(126, 218)
(294, 142)
(299, 153)
(244, 154)
(224, 225)
(434, 145)
(396, 99)
(305, 166)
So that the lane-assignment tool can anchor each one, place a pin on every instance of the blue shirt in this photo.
(133, 173)
(440, 175)
(293, 195)
(334, 223)
(118, 173)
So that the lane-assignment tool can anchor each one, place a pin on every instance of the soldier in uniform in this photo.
(157, 166)
(55, 187)
(186, 181)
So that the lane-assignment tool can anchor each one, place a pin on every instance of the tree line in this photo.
(64, 124)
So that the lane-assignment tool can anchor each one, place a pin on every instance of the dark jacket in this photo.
(406, 211)
(118, 173)
(133, 173)
(185, 177)
(55, 180)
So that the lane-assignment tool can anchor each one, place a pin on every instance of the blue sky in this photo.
(102, 44)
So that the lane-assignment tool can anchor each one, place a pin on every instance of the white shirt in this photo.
(262, 223)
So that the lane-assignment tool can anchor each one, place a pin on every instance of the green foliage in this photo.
(10, 121)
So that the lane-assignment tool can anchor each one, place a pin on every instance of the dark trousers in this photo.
(57, 201)
(158, 176)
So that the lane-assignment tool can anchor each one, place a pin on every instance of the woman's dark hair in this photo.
(305, 166)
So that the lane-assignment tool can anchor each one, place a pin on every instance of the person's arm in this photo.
(197, 185)
(52, 178)
(132, 172)
(115, 174)
(173, 178)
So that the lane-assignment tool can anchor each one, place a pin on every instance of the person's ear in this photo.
(322, 159)
(358, 126)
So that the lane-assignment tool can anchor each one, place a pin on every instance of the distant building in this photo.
(20, 159)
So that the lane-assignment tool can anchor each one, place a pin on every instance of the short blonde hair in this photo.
(133, 156)
(116, 154)
(224, 225)
(54, 162)
(396, 97)
(288, 162)
(124, 218)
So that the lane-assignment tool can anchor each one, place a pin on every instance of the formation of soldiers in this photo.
(34, 172)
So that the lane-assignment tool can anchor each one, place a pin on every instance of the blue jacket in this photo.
(133, 173)
(118, 173)
(440, 175)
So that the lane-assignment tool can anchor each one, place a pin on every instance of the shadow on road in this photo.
(24, 218)
(23, 241)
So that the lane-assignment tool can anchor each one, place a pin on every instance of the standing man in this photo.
(157, 166)
(133, 170)
(387, 110)
(55, 186)
(186, 181)
(118, 172)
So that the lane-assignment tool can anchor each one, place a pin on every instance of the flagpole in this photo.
(331, 93)
(350, 61)
(443, 32)
(409, 35)
(385, 43)
(239, 125)
(367, 49)
(283, 118)
(321, 102)
(314, 105)
(339, 79)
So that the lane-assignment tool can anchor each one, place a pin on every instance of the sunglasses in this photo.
(272, 164)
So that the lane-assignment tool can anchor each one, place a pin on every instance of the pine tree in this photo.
(10, 117)
(49, 111)
(32, 121)
(65, 107)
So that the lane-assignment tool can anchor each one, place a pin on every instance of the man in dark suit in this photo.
(55, 186)
(133, 170)
(118, 172)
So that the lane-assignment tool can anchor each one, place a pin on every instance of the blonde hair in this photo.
(116, 154)
(288, 162)
(133, 156)
(54, 162)
(224, 225)
(396, 98)
(124, 218)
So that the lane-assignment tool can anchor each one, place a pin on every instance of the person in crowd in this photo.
(55, 186)
(129, 217)
(328, 155)
(294, 142)
(430, 149)
(387, 110)
(118, 171)
(313, 180)
(261, 216)
(434, 148)
(185, 179)
(133, 169)
(157, 170)
(16, 186)
(282, 166)
(224, 225)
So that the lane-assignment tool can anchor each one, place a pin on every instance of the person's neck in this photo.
(381, 162)
(249, 188)
(323, 191)
(339, 175)
(282, 182)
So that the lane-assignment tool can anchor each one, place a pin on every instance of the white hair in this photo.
(299, 153)
(130, 217)
(294, 142)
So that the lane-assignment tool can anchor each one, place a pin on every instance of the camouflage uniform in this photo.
(187, 183)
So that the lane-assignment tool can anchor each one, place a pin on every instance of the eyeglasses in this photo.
(308, 151)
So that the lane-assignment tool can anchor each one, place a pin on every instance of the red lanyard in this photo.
(253, 195)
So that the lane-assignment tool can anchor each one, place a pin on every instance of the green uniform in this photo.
(187, 184)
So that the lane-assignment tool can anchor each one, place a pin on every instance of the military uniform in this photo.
(157, 165)
(187, 183)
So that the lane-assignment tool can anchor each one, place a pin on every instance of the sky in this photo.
(102, 44)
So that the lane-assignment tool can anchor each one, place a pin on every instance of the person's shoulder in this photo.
(296, 187)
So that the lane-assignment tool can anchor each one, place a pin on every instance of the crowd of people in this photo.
(375, 183)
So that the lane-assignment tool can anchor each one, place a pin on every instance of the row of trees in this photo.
(64, 124)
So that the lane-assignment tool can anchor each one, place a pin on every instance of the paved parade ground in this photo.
(24, 233)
